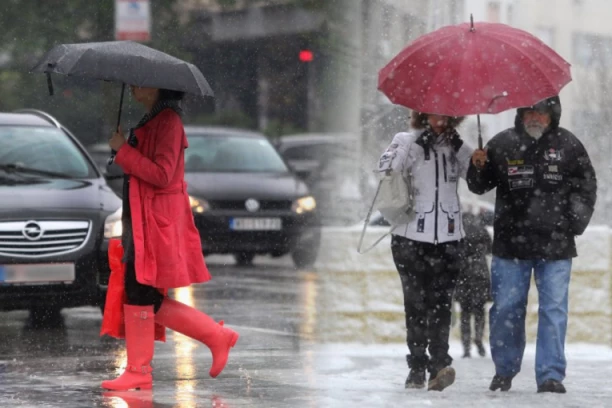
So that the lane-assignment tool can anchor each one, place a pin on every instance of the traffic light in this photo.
(306, 56)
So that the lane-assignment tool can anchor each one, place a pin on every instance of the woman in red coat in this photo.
(162, 247)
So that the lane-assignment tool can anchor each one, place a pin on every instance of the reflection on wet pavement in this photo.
(183, 349)
(273, 307)
(128, 399)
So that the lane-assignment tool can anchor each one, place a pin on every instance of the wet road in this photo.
(278, 361)
(267, 304)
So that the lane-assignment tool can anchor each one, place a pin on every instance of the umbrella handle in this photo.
(49, 83)
(478, 162)
(479, 133)
(111, 159)
(120, 105)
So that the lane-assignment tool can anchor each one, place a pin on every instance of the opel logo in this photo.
(251, 205)
(32, 231)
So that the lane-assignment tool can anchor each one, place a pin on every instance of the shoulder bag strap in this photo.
(365, 226)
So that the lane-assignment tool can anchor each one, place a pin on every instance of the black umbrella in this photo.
(127, 62)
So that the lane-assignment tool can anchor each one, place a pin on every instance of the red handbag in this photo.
(113, 319)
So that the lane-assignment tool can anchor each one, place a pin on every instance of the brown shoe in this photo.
(444, 378)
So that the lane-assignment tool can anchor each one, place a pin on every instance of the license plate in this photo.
(255, 224)
(36, 274)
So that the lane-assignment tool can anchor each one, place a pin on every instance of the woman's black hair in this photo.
(170, 95)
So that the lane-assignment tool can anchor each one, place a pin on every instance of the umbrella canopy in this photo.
(473, 68)
(127, 62)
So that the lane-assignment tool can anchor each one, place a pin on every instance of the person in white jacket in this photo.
(426, 250)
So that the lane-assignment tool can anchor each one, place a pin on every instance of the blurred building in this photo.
(264, 61)
(387, 26)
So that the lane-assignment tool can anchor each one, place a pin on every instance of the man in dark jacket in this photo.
(546, 192)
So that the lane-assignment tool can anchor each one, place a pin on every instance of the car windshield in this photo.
(43, 152)
(209, 152)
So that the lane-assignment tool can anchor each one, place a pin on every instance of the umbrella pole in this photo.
(113, 153)
(479, 133)
(120, 106)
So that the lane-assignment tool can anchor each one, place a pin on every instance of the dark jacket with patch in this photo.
(546, 192)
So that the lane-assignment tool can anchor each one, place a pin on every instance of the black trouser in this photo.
(428, 273)
(139, 294)
(476, 308)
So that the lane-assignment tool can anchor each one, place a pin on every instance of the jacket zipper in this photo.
(444, 165)
(437, 188)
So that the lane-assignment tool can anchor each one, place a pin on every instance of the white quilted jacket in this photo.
(435, 178)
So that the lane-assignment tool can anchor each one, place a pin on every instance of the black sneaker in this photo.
(552, 386)
(501, 383)
(442, 379)
(416, 379)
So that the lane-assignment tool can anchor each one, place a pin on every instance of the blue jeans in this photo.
(510, 280)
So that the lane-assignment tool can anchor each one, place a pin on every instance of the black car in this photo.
(54, 208)
(246, 200)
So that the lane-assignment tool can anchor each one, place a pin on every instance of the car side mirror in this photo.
(303, 174)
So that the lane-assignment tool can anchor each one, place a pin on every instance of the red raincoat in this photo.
(167, 244)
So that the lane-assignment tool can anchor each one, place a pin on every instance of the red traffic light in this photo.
(306, 56)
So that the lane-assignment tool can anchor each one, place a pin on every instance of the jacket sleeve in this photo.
(168, 144)
(480, 181)
(397, 157)
(583, 192)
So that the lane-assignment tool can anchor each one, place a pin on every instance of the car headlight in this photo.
(112, 225)
(198, 205)
(304, 204)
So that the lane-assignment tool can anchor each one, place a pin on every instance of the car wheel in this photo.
(305, 254)
(244, 258)
(45, 317)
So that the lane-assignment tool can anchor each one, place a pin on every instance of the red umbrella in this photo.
(473, 68)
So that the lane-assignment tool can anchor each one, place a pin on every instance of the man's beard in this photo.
(535, 130)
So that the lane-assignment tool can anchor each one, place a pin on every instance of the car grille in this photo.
(37, 239)
(267, 205)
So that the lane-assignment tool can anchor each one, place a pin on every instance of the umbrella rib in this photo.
(529, 37)
(486, 66)
(439, 71)
(425, 44)
(509, 40)
(78, 59)
(535, 63)
(511, 44)
(405, 56)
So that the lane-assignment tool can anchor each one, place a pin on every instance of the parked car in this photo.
(328, 163)
(54, 208)
(246, 200)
